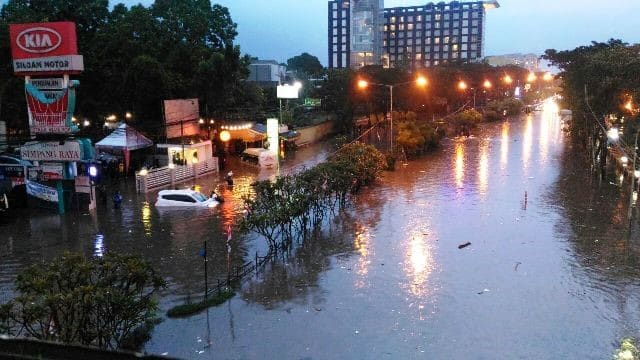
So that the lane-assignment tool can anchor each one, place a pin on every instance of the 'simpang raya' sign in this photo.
(45, 48)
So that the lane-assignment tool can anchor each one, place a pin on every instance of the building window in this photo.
(454, 47)
(344, 22)
(386, 28)
(465, 31)
(418, 56)
(409, 26)
(401, 34)
(436, 40)
(438, 17)
(335, 47)
(334, 5)
(335, 40)
(446, 39)
(418, 33)
(384, 42)
(401, 18)
(335, 23)
(410, 18)
(392, 27)
(335, 59)
(393, 43)
(419, 26)
(409, 41)
(393, 19)
(401, 27)
(464, 54)
(335, 14)
(419, 18)
(344, 13)
(335, 31)
(344, 39)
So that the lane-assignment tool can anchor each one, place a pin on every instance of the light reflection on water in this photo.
(361, 244)
(392, 282)
(504, 145)
(527, 143)
(459, 162)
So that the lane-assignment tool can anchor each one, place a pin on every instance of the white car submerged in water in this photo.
(184, 198)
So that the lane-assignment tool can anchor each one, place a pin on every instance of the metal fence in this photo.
(148, 180)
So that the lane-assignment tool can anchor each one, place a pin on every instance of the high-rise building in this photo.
(355, 38)
(363, 32)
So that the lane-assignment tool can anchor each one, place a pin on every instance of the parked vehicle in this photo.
(184, 198)
(6, 159)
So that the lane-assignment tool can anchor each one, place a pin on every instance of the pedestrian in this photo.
(229, 178)
(117, 200)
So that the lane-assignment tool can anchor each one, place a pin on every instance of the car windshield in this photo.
(198, 196)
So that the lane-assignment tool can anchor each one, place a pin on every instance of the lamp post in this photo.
(634, 111)
(363, 84)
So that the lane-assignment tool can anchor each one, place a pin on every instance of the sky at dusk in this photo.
(280, 29)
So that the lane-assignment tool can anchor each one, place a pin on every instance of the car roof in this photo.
(182, 192)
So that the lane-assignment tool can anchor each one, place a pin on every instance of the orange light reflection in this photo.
(459, 164)
(504, 145)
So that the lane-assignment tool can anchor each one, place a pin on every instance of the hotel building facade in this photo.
(363, 32)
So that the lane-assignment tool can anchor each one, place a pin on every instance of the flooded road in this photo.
(550, 272)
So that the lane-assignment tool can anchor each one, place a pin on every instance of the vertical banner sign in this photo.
(273, 136)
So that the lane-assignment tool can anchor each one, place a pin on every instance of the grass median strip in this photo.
(194, 308)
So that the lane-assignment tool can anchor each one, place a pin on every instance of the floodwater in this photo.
(550, 272)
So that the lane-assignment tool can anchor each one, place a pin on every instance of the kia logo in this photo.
(39, 40)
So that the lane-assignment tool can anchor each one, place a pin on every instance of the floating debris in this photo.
(462, 246)
(483, 291)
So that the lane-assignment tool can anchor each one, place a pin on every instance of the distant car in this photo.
(184, 198)
(12, 160)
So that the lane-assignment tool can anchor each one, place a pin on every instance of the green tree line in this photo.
(137, 56)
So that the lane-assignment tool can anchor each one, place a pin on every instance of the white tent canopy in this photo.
(124, 138)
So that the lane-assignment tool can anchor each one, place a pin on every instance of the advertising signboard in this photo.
(13, 173)
(42, 192)
(45, 48)
(52, 171)
(52, 151)
(181, 117)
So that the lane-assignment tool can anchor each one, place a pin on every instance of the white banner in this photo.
(52, 151)
(65, 63)
(42, 192)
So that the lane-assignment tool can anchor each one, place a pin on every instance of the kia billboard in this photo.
(45, 48)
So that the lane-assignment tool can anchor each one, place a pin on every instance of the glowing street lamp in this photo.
(613, 134)
(507, 79)
(547, 77)
(531, 77)
(462, 85)
(420, 81)
(487, 84)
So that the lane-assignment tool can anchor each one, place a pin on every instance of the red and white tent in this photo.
(124, 138)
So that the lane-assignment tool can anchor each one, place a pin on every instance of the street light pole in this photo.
(633, 175)
(391, 117)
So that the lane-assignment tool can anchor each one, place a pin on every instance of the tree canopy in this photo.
(99, 302)
(597, 80)
(305, 65)
(135, 57)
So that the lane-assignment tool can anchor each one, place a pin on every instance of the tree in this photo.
(596, 79)
(305, 65)
(99, 302)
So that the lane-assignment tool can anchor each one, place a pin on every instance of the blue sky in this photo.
(280, 29)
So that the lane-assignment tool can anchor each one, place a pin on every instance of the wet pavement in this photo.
(551, 272)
